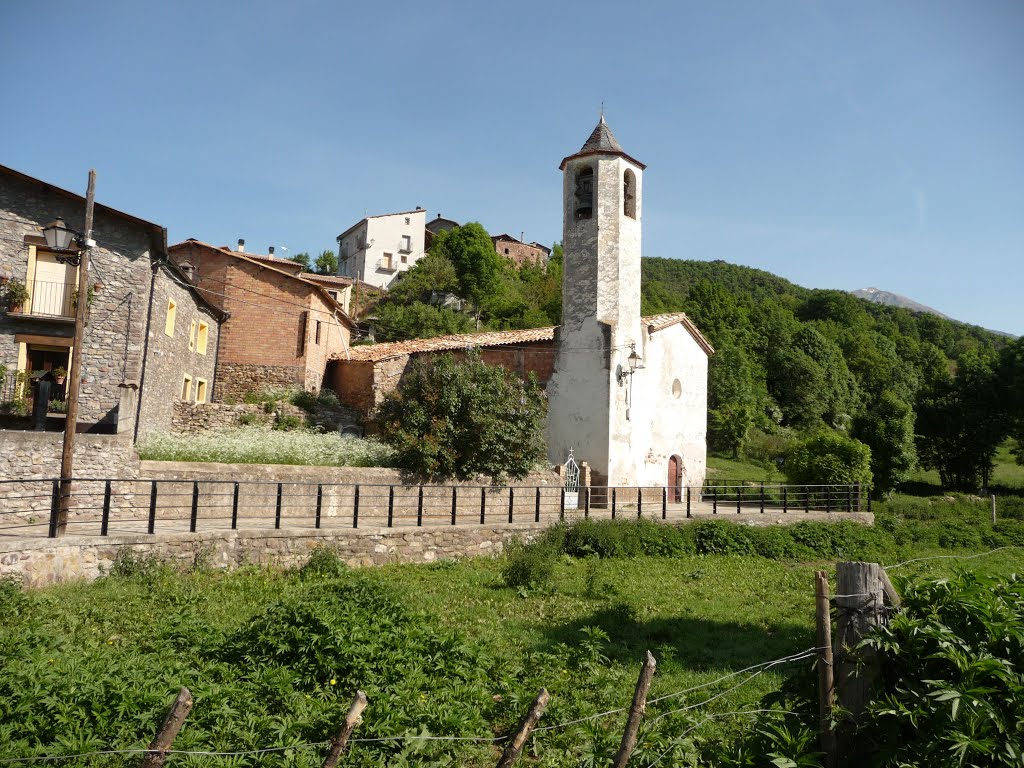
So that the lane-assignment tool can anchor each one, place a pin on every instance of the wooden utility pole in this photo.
(67, 457)
(157, 753)
(825, 680)
(636, 712)
(518, 740)
(862, 591)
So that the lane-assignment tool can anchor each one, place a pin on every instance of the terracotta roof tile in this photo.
(377, 352)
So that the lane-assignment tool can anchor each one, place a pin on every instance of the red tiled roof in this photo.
(377, 352)
(657, 323)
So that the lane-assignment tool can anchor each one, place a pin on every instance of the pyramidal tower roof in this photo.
(601, 142)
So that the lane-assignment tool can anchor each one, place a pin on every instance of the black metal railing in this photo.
(51, 299)
(118, 506)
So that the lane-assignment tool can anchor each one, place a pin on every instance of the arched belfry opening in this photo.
(584, 193)
(629, 193)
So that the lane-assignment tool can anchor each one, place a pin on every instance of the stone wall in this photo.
(35, 456)
(42, 562)
(172, 357)
(192, 418)
(120, 261)
(235, 380)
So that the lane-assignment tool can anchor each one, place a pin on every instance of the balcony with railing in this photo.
(386, 265)
(50, 300)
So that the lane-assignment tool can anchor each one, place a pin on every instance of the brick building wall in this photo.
(518, 252)
(120, 262)
(271, 338)
(362, 384)
(172, 357)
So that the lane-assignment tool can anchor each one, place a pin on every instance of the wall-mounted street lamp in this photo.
(634, 361)
(66, 244)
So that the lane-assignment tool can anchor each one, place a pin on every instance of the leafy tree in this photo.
(888, 430)
(326, 263)
(433, 273)
(463, 419)
(1011, 382)
(303, 259)
(829, 458)
(416, 320)
(732, 399)
(960, 424)
(477, 265)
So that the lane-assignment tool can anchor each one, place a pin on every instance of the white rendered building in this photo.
(639, 422)
(378, 249)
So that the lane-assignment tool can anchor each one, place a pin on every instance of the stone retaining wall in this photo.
(192, 418)
(42, 562)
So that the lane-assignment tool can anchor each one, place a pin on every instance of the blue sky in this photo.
(837, 144)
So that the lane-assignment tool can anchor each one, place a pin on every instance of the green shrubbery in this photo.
(954, 687)
(829, 458)
(464, 419)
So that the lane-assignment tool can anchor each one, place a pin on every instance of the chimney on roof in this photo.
(271, 250)
(419, 207)
(241, 245)
(188, 270)
(522, 236)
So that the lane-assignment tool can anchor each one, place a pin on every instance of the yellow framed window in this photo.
(192, 336)
(186, 388)
(201, 337)
(172, 312)
(200, 390)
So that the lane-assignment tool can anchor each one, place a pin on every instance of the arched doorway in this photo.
(675, 479)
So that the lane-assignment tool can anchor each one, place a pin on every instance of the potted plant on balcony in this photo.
(15, 294)
(90, 298)
(60, 373)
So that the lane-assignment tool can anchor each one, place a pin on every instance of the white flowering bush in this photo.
(256, 445)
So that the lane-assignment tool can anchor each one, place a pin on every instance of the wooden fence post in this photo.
(179, 710)
(355, 711)
(636, 712)
(862, 590)
(826, 691)
(518, 741)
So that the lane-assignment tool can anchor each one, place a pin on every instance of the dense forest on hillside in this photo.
(790, 362)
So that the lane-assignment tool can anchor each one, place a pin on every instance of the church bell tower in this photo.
(588, 395)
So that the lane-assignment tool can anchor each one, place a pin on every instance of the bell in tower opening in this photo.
(584, 193)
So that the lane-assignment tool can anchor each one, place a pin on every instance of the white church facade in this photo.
(628, 394)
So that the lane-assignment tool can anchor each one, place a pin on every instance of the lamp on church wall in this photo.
(635, 363)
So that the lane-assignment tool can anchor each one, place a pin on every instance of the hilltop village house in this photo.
(520, 253)
(283, 325)
(628, 394)
(137, 354)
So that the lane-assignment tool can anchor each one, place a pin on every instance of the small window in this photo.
(200, 390)
(186, 388)
(677, 389)
(405, 258)
(506, 251)
(172, 311)
(406, 219)
(407, 243)
(317, 331)
(202, 337)
(629, 193)
(192, 336)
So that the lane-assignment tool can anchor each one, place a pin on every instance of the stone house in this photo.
(378, 249)
(127, 371)
(520, 253)
(282, 327)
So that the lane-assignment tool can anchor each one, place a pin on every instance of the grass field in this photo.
(445, 649)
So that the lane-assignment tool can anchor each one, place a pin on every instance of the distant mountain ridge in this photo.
(890, 299)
